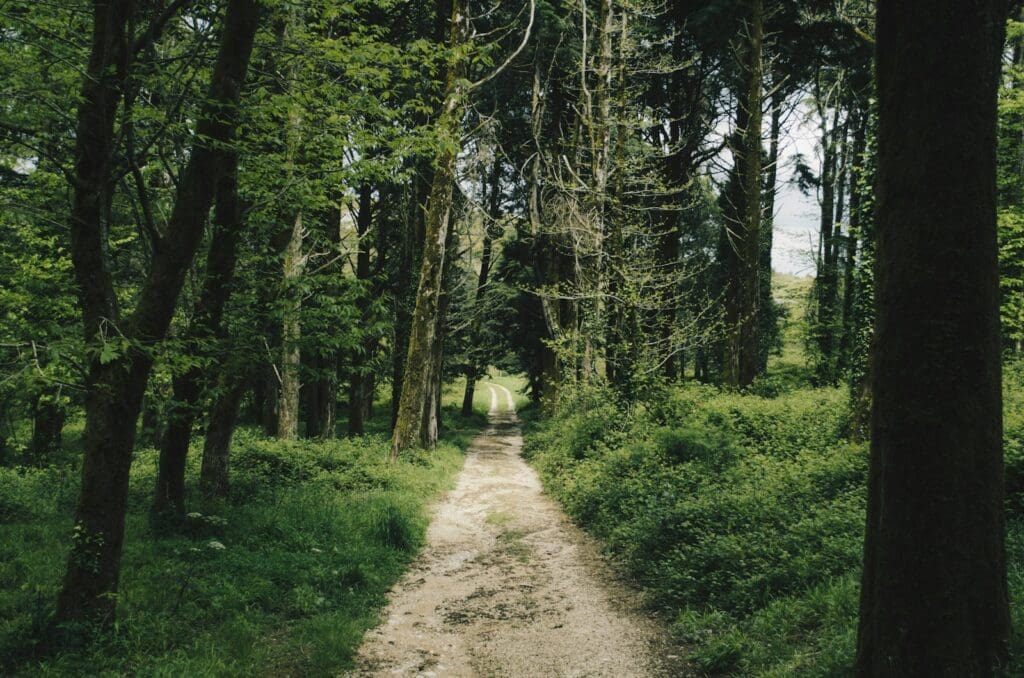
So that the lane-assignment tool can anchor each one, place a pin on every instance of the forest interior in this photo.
(515, 338)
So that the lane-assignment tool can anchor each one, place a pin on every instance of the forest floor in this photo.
(507, 586)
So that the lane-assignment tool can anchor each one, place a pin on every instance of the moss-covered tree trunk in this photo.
(934, 592)
(409, 254)
(857, 187)
(433, 418)
(415, 406)
(291, 334)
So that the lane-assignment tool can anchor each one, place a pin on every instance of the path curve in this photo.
(507, 586)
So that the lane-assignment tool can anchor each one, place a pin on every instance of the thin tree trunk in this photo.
(361, 372)
(767, 323)
(291, 334)
(188, 387)
(856, 162)
(934, 591)
(827, 275)
(115, 389)
(435, 422)
(474, 368)
(402, 284)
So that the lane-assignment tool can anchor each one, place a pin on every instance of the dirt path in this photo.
(506, 586)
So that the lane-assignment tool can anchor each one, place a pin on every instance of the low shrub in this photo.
(741, 516)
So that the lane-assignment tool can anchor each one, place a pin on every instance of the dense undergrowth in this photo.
(742, 516)
(282, 579)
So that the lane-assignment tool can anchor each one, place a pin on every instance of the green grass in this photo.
(283, 579)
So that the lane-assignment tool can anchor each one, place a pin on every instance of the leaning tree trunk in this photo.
(412, 424)
(934, 592)
(409, 255)
(114, 390)
(188, 387)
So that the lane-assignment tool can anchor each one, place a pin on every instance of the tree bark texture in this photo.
(767, 321)
(856, 172)
(934, 596)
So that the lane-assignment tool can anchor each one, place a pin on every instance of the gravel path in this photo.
(506, 586)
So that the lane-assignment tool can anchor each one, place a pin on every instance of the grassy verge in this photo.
(741, 516)
(283, 579)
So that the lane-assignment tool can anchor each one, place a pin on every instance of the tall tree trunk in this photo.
(114, 390)
(856, 172)
(188, 387)
(545, 246)
(435, 422)
(934, 592)
(410, 254)
(362, 374)
(825, 284)
(741, 356)
(474, 369)
(291, 335)
(767, 321)
(412, 424)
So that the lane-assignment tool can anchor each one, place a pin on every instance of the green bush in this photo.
(742, 516)
(1013, 434)
(742, 500)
